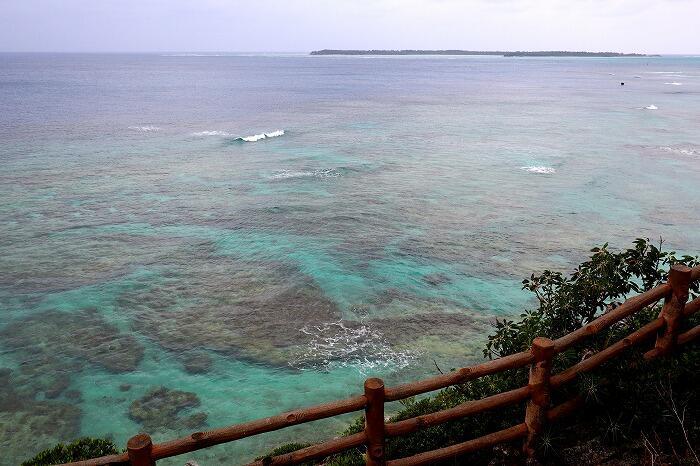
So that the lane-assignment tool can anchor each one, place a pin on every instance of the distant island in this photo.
(552, 53)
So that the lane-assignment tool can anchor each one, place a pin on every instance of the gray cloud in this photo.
(301, 25)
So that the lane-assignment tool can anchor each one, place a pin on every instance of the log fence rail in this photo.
(537, 393)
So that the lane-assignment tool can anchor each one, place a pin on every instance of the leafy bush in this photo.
(598, 285)
(81, 449)
(284, 449)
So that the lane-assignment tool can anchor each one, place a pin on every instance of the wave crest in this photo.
(253, 138)
(257, 137)
(680, 150)
(145, 129)
(539, 169)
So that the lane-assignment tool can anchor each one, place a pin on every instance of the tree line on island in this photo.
(552, 53)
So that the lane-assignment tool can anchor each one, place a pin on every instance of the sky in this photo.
(645, 26)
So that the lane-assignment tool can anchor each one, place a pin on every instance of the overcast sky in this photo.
(651, 26)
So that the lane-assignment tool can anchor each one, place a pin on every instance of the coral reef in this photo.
(254, 315)
(162, 408)
(84, 335)
(27, 425)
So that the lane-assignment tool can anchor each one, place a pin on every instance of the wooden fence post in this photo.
(537, 406)
(374, 421)
(139, 449)
(672, 312)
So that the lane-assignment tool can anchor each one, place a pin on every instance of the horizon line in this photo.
(308, 51)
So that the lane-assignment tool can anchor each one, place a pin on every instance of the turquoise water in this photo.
(144, 244)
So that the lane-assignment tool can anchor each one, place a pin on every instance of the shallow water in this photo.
(144, 244)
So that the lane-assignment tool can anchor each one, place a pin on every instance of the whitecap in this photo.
(145, 129)
(680, 150)
(346, 344)
(319, 173)
(674, 83)
(651, 107)
(211, 133)
(257, 137)
(539, 169)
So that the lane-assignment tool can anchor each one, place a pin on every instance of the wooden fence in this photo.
(538, 412)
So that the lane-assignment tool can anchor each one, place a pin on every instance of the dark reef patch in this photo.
(28, 425)
(229, 308)
(162, 408)
(437, 279)
(84, 335)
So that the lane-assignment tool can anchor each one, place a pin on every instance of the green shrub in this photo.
(81, 449)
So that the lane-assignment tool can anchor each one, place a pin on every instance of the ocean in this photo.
(265, 231)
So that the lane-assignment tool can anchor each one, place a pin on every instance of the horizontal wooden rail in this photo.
(141, 449)
(588, 364)
(489, 440)
(502, 436)
(514, 361)
(692, 307)
(622, 311)
(460, 411)
(321, 450)
(200, 440)
(689, 336)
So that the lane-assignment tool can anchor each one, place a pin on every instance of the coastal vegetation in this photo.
(80, 449)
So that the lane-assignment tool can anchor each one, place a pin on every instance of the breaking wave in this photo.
(349, 344)
(674, 83)
(319, 173)
(257, 137)
(253, 138)
(680, 150)
(145, 129)
(539, 169)
(651, 107)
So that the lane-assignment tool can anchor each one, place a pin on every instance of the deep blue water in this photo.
(143, 244)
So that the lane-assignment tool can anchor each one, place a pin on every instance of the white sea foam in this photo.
(319, 173)
(651, 107)
(539, 169)
(680, 150)
(674, 83)
(257, 137)
(358, 345)
(211, 133)
(145, 129)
